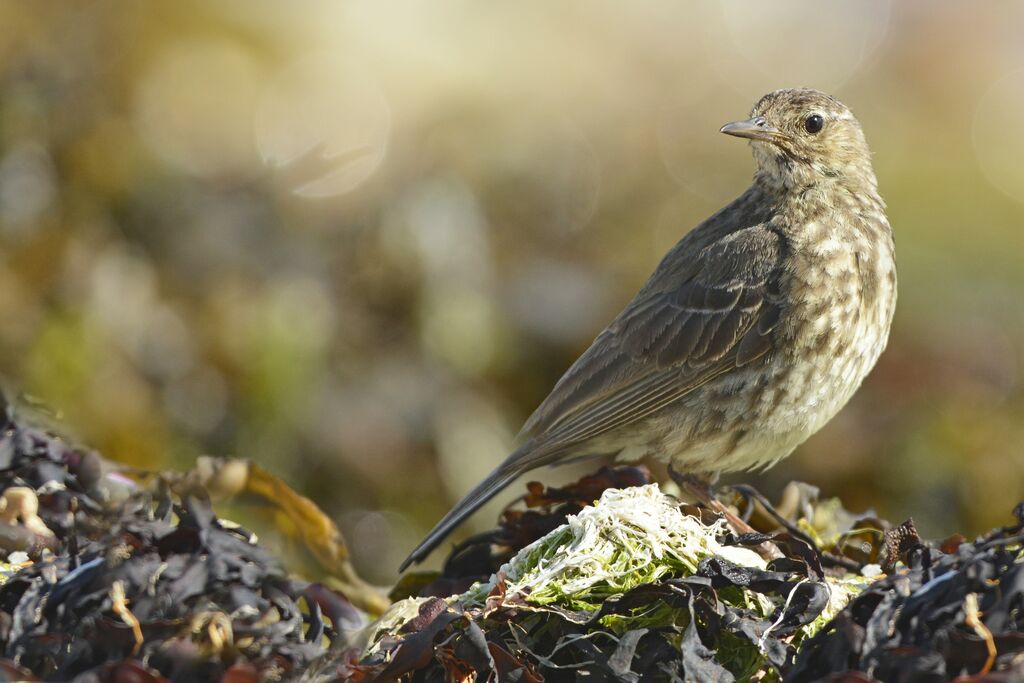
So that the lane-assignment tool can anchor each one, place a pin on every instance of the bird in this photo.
(752, 332)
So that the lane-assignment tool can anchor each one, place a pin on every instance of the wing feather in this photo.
(683, 329)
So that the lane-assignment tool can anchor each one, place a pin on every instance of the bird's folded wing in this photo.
(715, 314)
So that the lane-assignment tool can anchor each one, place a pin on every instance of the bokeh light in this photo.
(323, 125)
(998, 135)
(190, 102)
(820, 44)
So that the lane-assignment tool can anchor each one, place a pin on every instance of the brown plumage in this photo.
(753, 331)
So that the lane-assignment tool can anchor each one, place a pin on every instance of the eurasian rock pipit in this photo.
(753, 331)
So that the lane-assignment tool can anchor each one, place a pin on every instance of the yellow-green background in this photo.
(358, 240)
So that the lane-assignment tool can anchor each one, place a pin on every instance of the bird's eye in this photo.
(814, 123)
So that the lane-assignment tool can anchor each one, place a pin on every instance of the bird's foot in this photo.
(702, 492)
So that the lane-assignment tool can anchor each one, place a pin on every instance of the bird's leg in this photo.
(701, 490)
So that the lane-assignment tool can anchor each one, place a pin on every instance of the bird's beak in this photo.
(755, 129)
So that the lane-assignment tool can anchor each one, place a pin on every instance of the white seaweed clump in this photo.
(630, 537)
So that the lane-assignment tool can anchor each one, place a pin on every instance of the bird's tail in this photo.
(518, 462)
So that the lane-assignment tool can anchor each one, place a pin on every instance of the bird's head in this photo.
(802, 136)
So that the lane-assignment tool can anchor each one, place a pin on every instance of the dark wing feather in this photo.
(687, 326)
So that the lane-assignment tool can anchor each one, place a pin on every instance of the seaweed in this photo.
(120, 581)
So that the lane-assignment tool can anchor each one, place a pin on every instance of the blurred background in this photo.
(359, 242)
